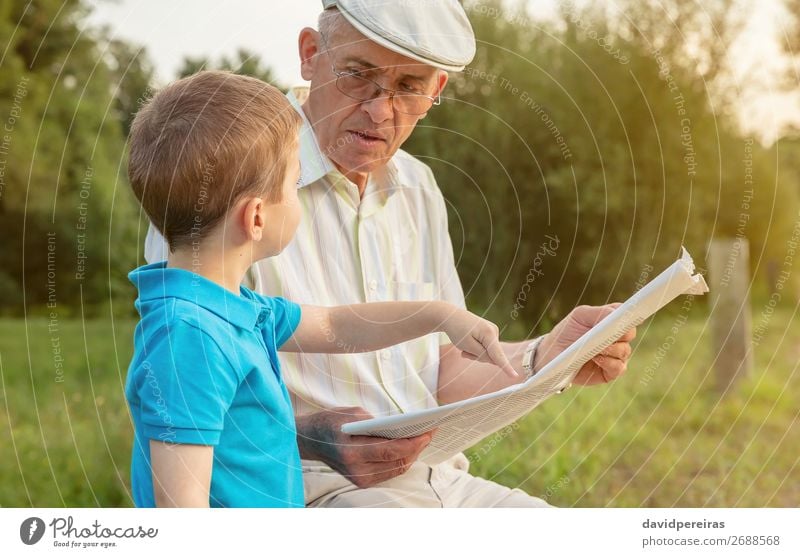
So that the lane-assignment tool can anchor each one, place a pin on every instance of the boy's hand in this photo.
(478, 338)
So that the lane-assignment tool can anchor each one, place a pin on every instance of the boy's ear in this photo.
(253, 219)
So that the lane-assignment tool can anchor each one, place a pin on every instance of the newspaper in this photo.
(460, 425)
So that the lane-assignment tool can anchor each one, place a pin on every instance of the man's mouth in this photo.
(366, 137)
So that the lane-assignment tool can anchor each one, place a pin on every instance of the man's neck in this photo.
(358, 178)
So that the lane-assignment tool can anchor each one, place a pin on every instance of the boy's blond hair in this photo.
(202, 143)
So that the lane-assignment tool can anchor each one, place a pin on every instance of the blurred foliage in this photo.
(244, 63)
(611, 130)
(606, 135)
(65, 203)
(68, 95)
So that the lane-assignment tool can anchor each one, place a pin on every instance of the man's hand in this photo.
(603, 368)
(363, 460)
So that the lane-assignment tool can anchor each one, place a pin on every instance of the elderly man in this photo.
(375, 228)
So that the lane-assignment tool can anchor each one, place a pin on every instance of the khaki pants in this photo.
(448, 484)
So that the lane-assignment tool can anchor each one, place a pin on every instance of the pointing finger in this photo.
(498, 357)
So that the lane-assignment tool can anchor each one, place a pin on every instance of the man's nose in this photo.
(379, 109)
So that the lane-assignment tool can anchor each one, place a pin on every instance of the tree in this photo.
(68, 216)
(132, 73)
(244, 63)
(790, 40)
(598, 133)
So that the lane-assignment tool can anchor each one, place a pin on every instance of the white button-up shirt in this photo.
(390, 244)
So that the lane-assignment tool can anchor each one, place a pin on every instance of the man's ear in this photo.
(253, 221)
(443, 77)
(441, 82)
(308, 46)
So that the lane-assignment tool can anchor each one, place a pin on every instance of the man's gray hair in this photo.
(330, 22)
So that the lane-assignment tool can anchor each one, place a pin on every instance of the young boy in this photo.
(214, 164)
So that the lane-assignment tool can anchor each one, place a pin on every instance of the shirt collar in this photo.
(156, 281)
(314, 165)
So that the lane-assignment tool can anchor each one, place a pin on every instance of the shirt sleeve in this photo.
(287, 318)
(186, 386)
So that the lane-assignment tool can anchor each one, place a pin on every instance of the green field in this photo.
(669, 441)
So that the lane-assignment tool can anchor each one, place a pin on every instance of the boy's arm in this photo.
(368, 327)
(181, 474)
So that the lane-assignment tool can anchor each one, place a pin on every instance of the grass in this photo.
(669, 441)
(67, 443)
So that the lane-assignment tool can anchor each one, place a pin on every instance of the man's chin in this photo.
(362, 163)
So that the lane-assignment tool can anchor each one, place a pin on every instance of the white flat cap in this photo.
(435, 32)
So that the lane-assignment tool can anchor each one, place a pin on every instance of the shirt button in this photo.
(373, 285)
(385, 354)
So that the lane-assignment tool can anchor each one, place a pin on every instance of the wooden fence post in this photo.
(729, 271)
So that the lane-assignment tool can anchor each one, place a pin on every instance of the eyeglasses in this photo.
(360, 88)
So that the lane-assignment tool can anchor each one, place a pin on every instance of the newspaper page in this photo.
(462, 424)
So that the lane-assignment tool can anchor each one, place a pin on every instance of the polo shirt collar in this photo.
(156, 282)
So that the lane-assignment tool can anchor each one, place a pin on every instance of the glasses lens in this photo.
(412, 103)
(356, 87)
(363, 89)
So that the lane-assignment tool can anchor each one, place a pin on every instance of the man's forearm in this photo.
(461, 378)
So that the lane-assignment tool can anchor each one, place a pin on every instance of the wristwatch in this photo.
(529, 356)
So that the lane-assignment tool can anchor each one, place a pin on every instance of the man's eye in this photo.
(356, 73)
(405, 87)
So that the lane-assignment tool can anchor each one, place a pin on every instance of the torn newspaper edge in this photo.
(460, 425)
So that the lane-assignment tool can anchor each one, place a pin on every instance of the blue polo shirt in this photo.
(205, 371)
